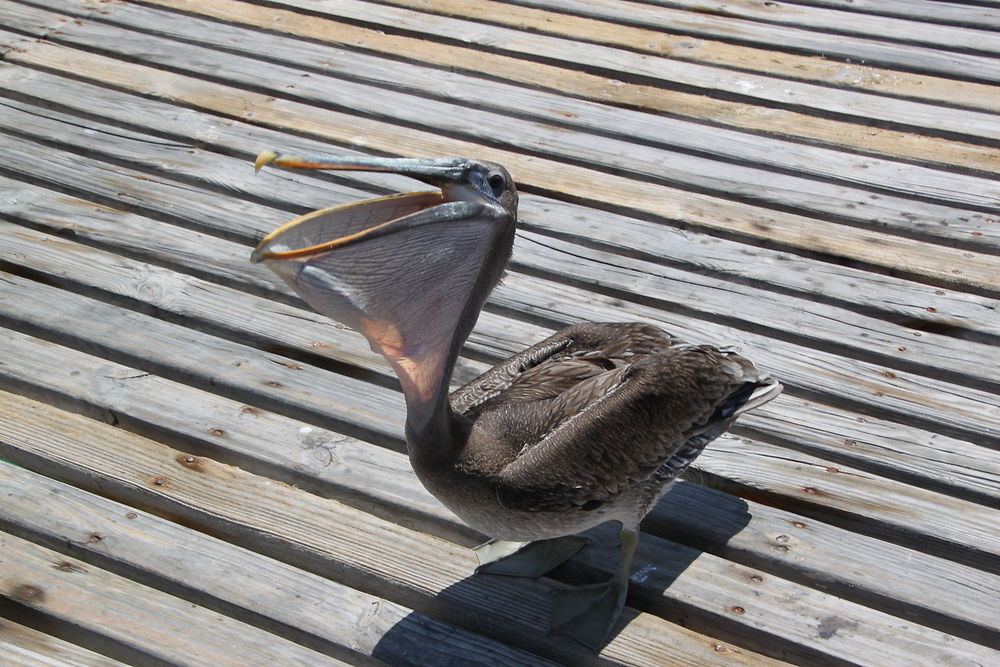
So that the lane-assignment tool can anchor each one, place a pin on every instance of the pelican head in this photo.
(409, 271)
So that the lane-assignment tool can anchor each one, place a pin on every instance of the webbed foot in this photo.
(588, 613)
(526, 559)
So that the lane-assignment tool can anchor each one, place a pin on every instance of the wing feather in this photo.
(617, 427)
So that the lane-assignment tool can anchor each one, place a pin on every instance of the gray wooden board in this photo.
(333, 539)
(503, 39)
(612, 24)
(876, 81)
(149, 626)
(483, 94)
(269, 380)
(356, 542)
(22, 646)
(798, 125)
(381, 482)
(254, 588)
(822, 19)
(675, 18)
(882, 295)
(816, 197)
(813, 235)
(921, 10)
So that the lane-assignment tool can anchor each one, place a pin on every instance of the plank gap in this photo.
(37, 619)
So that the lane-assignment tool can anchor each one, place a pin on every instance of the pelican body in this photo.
(592, 424)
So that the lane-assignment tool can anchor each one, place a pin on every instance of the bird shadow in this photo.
(494, 614)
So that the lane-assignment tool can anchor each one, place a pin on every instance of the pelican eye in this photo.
(497, 184)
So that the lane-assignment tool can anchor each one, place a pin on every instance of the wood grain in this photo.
(144, 623)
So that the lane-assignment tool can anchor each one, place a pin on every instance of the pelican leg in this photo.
(526, 559)
(588, 613)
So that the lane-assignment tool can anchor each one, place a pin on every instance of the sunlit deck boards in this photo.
(209, 473)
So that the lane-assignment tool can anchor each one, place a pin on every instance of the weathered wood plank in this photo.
(323, 535)
(891, 578)
(776, 122)
(614, 24)
(22, 646)
(966, 125)
(364, 546)
(937, 215)
(933, 12)
(176, 559)
(504, 39)
(758, 309)
(843, 23)
(265, 379)
(135, 621)
(912, 304)
(781, 316)
(787, 38)
(905, 514)
(784, 229)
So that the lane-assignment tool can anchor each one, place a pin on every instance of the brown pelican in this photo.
(590, 425)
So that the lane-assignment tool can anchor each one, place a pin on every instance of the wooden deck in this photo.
(207, 473)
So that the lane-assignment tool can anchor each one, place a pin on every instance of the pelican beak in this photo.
(435, 171)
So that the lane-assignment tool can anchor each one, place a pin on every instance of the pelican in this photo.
(592, 424)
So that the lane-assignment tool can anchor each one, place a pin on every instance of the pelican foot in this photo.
(587, 613)
(526, 559)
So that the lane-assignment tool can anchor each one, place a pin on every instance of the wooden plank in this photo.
(135, 621)
(625, 26)
(772, 121)
(934, 12)
(882, 446)
(265, 379)
(347, 623)
(895, 208)
(891, 578)
(965, 125)
(910, 304)
(844, 23)
(782, 316)
(783, 229)
(942, 352)
(501, 39)
(22, 646)
(358, 546)
(326, 536)
(905, 514)
(706, 24)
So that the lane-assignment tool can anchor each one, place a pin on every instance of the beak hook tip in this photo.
(264, 158)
